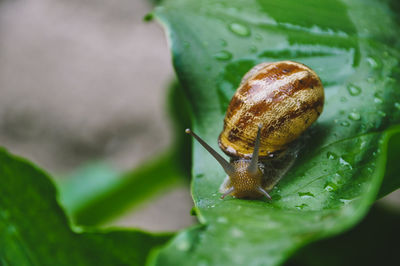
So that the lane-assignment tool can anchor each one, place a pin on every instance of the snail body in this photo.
(274, 104)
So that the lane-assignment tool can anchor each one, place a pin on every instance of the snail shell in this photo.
(285, 97)
(274, 104)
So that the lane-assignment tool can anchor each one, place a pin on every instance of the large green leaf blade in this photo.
(352, 46)
(35, 231)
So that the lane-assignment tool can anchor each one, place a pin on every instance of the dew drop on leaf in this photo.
(354, 116)
(223, 43)
(329, 186)
(345, 163)
(345, 124)
(306, 195)
(397, 105)
(183, 245)
(253, 49)
(302, 206)
(378, 100)
(346, 201)
(222, 220)
(239, 29)
(374, 63)
(223, 55)
(258, 37)
(354, 90)
(236, 232)
(331, 155)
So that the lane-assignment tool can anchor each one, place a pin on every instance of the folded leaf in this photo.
(353, 46)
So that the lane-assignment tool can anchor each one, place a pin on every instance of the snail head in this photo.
(245, 175)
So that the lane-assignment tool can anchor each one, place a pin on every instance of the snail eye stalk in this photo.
(228, 168)
(253, 167)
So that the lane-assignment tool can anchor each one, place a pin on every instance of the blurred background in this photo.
(86, 81)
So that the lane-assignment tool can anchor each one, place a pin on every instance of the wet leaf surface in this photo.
(353, 47)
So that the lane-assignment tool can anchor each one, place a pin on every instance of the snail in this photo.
(274, 104)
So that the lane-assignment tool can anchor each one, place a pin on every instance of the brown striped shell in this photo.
(285, 97)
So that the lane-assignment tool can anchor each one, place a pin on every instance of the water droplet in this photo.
(306, 195)
(397, 105)
(253, 49)
(223, 43)
(345, 163)
(223, 55)
(353, 90)
(329, 186)
(354, 116)
(331, 155)
(345, 124)
(239, 29)
(183, 245)
(343, 99)
(222, 220)
(346, 201)
(236, 232)
(199, 175)
(378, 100)
(372, 62)
(302, 206)
(258, 37)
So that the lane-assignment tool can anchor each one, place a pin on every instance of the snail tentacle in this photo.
(253, 166)
(229, 191)
(229, 170)
(265, 193)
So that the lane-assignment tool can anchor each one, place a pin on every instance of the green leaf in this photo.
(373, 241)
(353, 46)
(35, 231)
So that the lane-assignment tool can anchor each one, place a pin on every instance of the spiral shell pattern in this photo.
(285, 97)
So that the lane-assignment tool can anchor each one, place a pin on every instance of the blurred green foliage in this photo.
(35, 231)
(352, 45)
